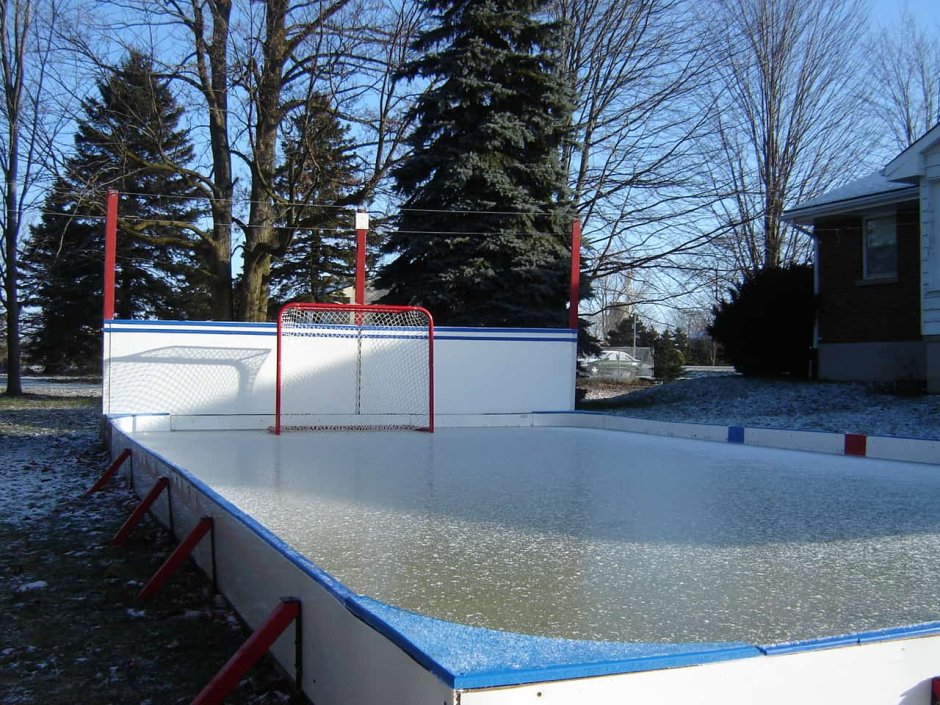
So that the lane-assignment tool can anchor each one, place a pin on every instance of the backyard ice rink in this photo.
(592, 534)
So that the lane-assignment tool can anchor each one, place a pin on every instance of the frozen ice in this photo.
(588, 534)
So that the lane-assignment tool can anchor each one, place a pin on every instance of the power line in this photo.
(349, 208)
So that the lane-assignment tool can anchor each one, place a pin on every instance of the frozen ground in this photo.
(733, 400)
(70, 630)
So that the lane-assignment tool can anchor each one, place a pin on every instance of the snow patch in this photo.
(33, 586)
(732, 400)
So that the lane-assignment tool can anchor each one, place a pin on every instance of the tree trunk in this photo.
(11, 231)
(261, 236)
(253, 304)
(12, 60)
(220, 262)
(14, 379)
(216, 94)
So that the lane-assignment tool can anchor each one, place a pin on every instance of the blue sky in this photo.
(887, 11)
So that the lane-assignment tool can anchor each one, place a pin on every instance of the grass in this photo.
(70, 628)
(47, 401)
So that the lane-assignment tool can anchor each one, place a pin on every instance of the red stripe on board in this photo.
(855, 444)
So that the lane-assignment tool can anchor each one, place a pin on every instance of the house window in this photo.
(880, 248)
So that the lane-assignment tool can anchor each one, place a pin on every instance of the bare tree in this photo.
(28, 131)
(635, 68)
(243, 69)
(790, 119)
(189, 41)
(905, 73)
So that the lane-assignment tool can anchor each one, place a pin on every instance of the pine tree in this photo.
(317, 172)
(488, 142)
(64, 265)
(668, 360)
(131, 126)
(622, 335)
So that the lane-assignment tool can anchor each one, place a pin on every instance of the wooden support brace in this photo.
(176, 559)
(120, 538)
(250, 652)
(109, 473)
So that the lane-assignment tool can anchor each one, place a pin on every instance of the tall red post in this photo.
(575, 291)
(362, 226)
(110, 253)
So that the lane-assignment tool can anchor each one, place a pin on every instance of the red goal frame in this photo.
(361, 314)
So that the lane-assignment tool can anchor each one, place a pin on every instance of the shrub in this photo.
(766, 326)
(668, 360)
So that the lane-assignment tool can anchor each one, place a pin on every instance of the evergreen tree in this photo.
(483, 234)
(622, 335)
(667, 358)
(132, 125)
(317, 171)
(766, 324)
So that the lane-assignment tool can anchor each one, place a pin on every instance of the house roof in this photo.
(897, 182)
(909, 164)
(868, 192)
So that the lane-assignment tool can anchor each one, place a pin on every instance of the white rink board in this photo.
(884, 673)
(229, 369)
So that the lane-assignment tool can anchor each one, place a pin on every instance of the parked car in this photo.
(614, 364)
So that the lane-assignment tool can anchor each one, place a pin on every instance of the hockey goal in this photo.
(350, 366)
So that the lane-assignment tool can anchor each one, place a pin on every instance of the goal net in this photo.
(347, 366)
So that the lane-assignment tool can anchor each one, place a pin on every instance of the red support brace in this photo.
(176, 559)
(934, 691)
(247, 656)
(120, 538)
(109, 473)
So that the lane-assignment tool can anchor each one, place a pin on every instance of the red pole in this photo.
(110, 253)
(362, 225)
(430, 372)
(278, 374)
(575, 291)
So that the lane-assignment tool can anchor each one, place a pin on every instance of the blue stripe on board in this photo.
(205, 327)
(508, 340)
(476, 657)
(875, 635)
(191, 324)
(248, 324)
(185, 331)
(495, 329)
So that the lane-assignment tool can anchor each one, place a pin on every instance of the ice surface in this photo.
(586, 534)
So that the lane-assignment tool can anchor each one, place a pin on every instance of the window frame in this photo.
(868, 276)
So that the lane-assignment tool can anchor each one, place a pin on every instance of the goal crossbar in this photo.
(354, 367)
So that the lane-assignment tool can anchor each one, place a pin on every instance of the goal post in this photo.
(354, 366)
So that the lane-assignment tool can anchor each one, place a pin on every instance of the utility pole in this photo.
(634, 335)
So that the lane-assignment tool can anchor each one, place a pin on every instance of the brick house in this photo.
(877, 271)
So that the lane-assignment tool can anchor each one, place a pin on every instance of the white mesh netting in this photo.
(354, 367)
